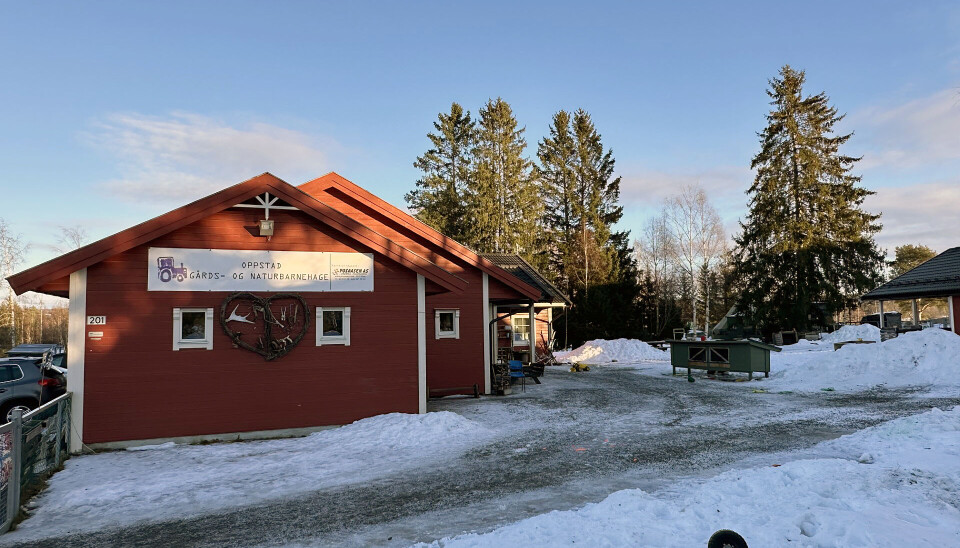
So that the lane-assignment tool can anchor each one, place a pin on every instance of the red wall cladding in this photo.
(451, 363)
(956, 314)
(137, 387)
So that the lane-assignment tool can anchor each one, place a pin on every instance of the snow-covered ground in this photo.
(920, 358)
(896, 484)
(172, 481)
(577, 438)
(928, 358)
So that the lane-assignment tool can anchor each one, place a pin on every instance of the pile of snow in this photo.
(894, 485)
(917, 358)
(865, 332)
(170, 481)
(620, 350)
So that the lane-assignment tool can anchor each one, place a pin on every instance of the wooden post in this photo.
(953, 315)
(916, 313)
(488, 350)
(533, 334)
(881, 316)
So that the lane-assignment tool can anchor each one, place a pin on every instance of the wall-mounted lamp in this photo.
(266, 227)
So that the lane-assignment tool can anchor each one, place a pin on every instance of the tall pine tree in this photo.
(503, 202)
(594, 265)
(438, 200)
(806, 239)
(557, 154)
(581, 196)
(596, 206)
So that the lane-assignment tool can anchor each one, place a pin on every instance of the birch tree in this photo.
(12, 250)
(71, 237)
(654, 253)
(698, 239)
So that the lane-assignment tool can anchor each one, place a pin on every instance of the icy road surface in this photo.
(570, 441)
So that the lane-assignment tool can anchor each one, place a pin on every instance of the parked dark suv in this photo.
(27, 383)
(48, 353)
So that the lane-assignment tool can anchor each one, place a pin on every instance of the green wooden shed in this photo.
(743, 356)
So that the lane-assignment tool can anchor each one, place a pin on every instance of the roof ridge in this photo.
(433, 236)
(33, 278)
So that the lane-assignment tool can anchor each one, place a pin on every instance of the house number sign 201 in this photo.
(96, 320)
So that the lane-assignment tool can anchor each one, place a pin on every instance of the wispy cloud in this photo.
(185, 155)
(918, 214)
(911, 135)
(643, 192)
(724, 185)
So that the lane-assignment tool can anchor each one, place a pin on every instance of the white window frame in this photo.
(525, 331)
(455, 334)
(341, 339)
(179, 343)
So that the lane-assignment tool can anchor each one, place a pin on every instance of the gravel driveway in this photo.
(574, 439)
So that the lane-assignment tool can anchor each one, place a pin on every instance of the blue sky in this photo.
(115, 112)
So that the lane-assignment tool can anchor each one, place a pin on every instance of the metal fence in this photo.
(32, 447)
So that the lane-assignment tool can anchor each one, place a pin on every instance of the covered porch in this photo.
(938, 278)
(524, 330)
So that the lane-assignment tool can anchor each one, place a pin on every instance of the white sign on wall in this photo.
(178, 269)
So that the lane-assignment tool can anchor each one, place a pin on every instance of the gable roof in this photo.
(516, 265)
(421, 232)
(938, 277)
(33, 278)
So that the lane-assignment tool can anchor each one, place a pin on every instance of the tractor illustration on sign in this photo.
(168, 271)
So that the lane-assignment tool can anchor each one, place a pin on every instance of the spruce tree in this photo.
(596, 205)
(581, 196)
(503, 203)
(806, 239)
(558, 183)
(438, 200)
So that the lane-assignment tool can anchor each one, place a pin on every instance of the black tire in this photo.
(725, 538)
(165, 275)
(25, 405)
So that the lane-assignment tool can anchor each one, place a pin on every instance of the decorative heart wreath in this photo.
(270, 326)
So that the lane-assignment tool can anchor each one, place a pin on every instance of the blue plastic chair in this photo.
(516, 372)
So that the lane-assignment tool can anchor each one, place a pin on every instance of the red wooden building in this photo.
(266, 309)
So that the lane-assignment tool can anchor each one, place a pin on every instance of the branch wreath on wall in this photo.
(270, 326)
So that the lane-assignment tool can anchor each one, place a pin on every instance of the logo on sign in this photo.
(350, 273)
(167, 270)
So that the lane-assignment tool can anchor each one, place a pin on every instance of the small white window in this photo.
(333, 325)
(192, 328)
(446, 323)
(521, 329)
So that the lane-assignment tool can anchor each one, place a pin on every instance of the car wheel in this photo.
(8, 409)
